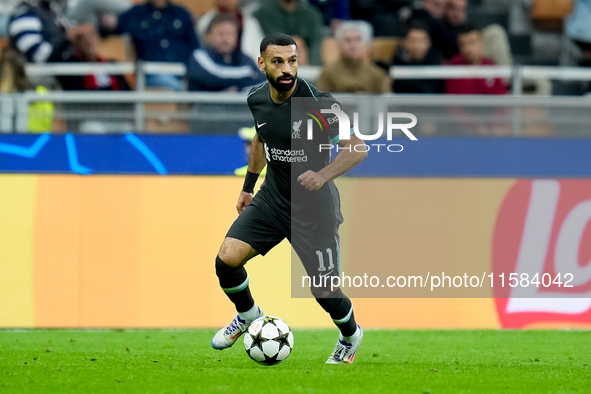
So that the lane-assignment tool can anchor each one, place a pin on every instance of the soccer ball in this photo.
(268, 341)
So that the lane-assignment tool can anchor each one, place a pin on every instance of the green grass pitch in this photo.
(181, 361)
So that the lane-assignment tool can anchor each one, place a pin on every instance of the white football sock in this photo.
(352, 337)
(251, 314)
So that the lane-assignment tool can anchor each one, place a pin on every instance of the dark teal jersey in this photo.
(291, 149)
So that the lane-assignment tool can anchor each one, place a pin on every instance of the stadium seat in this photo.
(118, 48)
(115, 48)
(383, 49)
(549, 14)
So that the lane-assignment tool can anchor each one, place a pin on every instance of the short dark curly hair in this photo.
(276, 39)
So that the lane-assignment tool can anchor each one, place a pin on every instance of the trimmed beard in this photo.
(280, 87)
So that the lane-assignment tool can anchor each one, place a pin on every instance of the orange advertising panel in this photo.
(138, 251)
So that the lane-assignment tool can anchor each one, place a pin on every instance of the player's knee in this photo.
(233, 254)
(228, 260)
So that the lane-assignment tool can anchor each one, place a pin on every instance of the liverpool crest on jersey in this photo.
(296, 129)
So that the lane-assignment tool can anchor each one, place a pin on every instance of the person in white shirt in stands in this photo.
(37, 28)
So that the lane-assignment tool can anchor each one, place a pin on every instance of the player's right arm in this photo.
(256, 160)
(256, 163)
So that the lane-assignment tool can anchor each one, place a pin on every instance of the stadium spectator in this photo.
(432, 14)
(161, 32)
(13, 79)
(386, 17)
(471, 45)
(303, 54)
(333, 11)
(352, 73)
(250, 33)
(85, 41)
(496, 44)
(37, 29)
(101, 13)
(577, 29)
(98, 117)
(220, 65)
(12, 72)
(415, 50)
(496, 41)
(296, 18)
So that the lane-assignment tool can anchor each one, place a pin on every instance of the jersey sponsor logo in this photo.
(333, 120)
(543, 232)
(267, 154)
(285, 155)
(288, 155)
(296, 129)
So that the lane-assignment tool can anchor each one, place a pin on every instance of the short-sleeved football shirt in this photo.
(291, 150)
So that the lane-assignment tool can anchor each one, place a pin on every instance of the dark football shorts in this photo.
(262, 227)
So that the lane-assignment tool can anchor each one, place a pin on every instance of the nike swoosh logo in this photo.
(261, 125)
(328, 273)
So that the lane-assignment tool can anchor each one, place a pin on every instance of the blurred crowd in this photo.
(354, 41)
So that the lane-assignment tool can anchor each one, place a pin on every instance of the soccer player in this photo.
(298, 199)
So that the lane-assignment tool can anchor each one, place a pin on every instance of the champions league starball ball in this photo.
(268, 341)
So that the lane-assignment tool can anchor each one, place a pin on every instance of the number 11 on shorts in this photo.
(321, 266)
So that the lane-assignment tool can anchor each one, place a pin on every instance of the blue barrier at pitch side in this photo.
(121, 154)
(219, 155)
(481, 157)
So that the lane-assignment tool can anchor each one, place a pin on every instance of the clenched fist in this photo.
(311, 180)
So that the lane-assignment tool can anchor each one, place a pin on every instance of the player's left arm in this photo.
(346, 160)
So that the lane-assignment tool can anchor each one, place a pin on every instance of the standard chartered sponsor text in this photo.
(289, 155)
